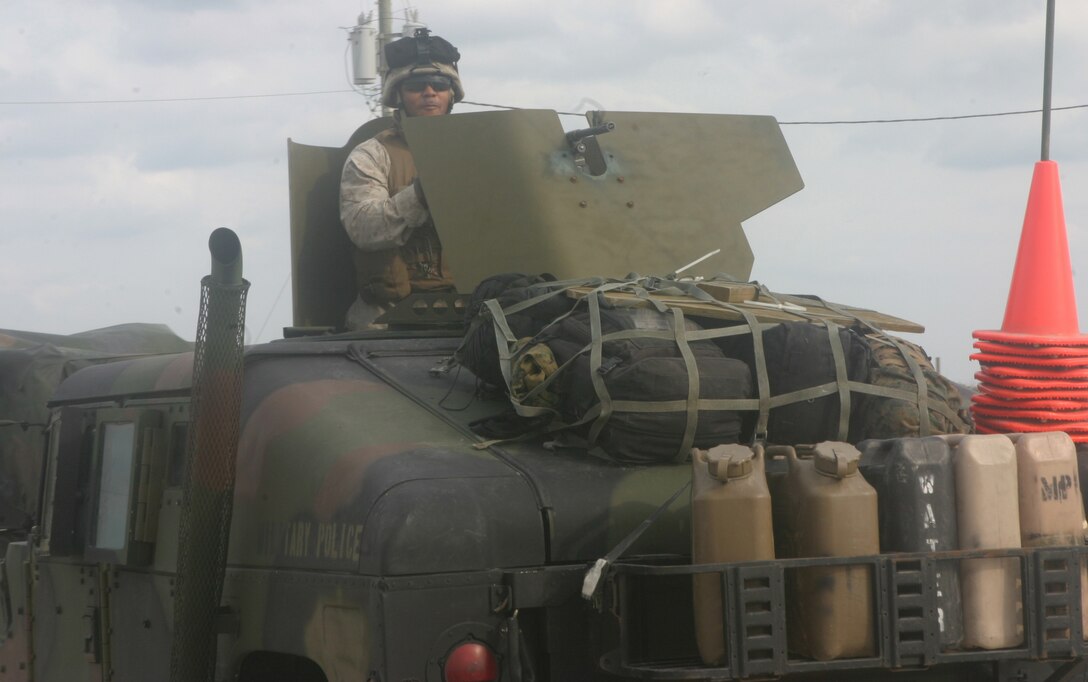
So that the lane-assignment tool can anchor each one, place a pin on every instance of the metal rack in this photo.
(905, 604)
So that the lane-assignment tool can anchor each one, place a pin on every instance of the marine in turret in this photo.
(382, 205)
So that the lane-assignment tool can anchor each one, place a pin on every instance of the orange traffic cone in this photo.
(1041, 297)
(1033, 350)
(1035, 369)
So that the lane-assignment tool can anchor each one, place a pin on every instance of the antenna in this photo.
(1048, 70)
(695, 262)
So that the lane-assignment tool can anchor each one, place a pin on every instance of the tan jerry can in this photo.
(988, 517)
(731, 521)
(1051, 507)
(825, 508)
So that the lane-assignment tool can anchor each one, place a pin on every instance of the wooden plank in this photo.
(730, 292)
(873, 317)
(768, 308)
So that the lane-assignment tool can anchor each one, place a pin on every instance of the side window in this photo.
(126, 484)
(105, 475)
(66, 499)
(115, 485)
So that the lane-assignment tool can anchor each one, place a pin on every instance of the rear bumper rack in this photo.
(905, 615)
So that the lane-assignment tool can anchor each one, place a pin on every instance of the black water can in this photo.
(916, 491)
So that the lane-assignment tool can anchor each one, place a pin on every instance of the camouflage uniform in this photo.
(374, 217)
(379, 217)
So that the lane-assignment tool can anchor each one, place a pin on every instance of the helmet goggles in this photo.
(419, 82)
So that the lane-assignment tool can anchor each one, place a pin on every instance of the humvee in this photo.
(363, 531)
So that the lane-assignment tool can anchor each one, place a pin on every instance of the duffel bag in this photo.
(478, 351)
(647, 395)
(800, 358)
(905, 386)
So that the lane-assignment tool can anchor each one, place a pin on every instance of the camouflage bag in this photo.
(910, 386)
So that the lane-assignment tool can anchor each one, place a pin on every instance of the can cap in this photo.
(726, 462)
(836, 459)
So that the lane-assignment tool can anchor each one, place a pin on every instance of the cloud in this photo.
(108, 206)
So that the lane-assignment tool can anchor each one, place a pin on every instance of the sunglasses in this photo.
(438, 84)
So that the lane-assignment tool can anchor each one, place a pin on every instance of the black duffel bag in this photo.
(478, 350)
(800, 357)
(640, 411)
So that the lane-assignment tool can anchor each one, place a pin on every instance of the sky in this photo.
(130, 129)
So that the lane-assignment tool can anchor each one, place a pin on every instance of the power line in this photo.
(845, 122)
(928, 118)
(920, 119)
(174, 99)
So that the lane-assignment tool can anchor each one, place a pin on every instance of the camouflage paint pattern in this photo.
(349, 475)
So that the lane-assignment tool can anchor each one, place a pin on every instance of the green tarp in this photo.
(32, 365)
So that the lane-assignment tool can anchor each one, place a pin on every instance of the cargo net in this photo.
(643, 369)
(209, 478)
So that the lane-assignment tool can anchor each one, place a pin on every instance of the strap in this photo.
(763, 403)
(506, 342)
(693, 385)
(755, 328)
(763, 382)
(596, 350)
(841, 378)
(593, 575)
(921, 396)
(504, 338)
(922, 399)
(551, 289)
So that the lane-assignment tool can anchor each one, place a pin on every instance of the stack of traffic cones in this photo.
(1035, 369)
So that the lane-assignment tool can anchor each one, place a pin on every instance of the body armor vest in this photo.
(387, 276)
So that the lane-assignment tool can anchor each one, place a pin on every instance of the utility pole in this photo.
(385, 35)
(368, 46)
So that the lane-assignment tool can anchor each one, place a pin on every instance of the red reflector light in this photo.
(471, 662)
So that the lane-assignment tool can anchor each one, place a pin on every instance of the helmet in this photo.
(422, 54)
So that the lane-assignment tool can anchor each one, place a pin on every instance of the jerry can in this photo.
(988, 517)
(1051, 509)
(731, 521)
(1082, 470)
(824, 508)
(916, 491)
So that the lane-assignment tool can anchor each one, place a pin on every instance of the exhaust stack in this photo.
(209, 470)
